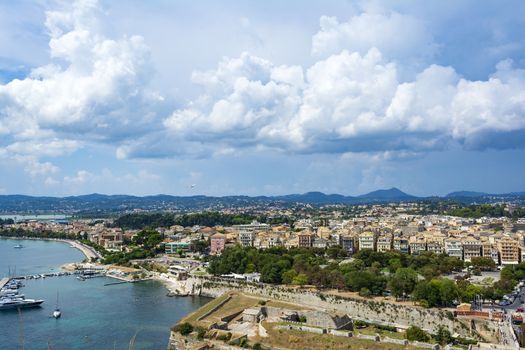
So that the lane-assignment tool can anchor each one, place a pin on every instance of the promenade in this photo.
(86, 250)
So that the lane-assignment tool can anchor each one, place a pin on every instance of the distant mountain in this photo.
(467, 194)
(315, 197)
(101, 204)
(393, 194)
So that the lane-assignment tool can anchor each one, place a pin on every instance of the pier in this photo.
(3, 282)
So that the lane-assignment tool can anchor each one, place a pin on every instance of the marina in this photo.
(91, 313)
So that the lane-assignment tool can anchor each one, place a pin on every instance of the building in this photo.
(217, 243)
(320, 243)
(305, 239)
(176, 247)
(348, 244)
(247, 232)
(471, 248)
(384, 243)
(454, 247)
(418, 244)
(367, 240)
(401, 244)
(509, 252)
(246, 237)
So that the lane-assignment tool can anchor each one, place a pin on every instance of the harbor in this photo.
(92, 312)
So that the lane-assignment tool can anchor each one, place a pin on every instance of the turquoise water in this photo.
(94, 316)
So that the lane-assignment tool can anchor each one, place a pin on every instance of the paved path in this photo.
(86, 250)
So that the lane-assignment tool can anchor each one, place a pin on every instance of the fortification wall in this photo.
(401, 316)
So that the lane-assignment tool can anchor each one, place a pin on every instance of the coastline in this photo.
(86, 250)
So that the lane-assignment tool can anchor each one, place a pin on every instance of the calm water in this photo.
(94, 316)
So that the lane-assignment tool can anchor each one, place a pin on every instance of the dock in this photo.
(3, 282)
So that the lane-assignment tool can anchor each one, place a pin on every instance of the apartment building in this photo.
(246, 237)
(217, 243)
(454, 247)
(471, 248)
(367, 240)
(384, 243)
(401, 244)
(435, 245)
(509, 252)
(348, 244)
(418, 244)
(305, 239)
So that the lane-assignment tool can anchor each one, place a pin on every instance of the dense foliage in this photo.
(142, 220)
(20, 232)
(145, 244)
(138, 221)
(369, 273)
(6, 222)
(414, 333)
(488, 210)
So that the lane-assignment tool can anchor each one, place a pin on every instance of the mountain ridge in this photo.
(96, 202)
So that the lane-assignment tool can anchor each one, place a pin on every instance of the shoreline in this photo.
(84, 249)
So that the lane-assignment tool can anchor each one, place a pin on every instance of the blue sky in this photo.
(251, 97)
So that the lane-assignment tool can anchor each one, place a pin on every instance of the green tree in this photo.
(443, 336)
(184, 328)
(414, 333)
(300, 280)
(483, 263)
(403, 282)
(288, 276)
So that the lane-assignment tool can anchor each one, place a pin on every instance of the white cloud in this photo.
(94, 89)
(36, 168)
(46, 148)
(81, 177)
(349, 102)
(397, 36)
(354, 98)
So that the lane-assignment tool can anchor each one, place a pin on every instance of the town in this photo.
(468, 266)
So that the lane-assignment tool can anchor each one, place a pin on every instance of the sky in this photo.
(261, 97)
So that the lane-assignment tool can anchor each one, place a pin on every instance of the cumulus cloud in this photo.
(94, 89)
(398, 36)
(350, 102)
(354, 98)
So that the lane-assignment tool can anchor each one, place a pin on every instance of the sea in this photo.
(94, 315)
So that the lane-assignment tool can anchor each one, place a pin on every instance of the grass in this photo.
(193, 317)
(285, 305)
(371, 330)
(293, 339)
(237, 303)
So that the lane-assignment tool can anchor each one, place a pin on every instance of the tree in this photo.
(300, 280)
(403, 282)
(414, 333)
(443, 336)
(288, 276)
(184, 328)
(483, 263)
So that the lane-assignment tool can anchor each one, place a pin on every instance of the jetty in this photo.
(3, 282)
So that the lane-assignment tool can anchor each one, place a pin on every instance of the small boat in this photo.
(57, 313)
(18, 246)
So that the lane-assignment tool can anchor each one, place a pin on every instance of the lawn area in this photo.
(371, 330)
(238, 302)
(285, 305)
(192, 318)
(292, 339)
